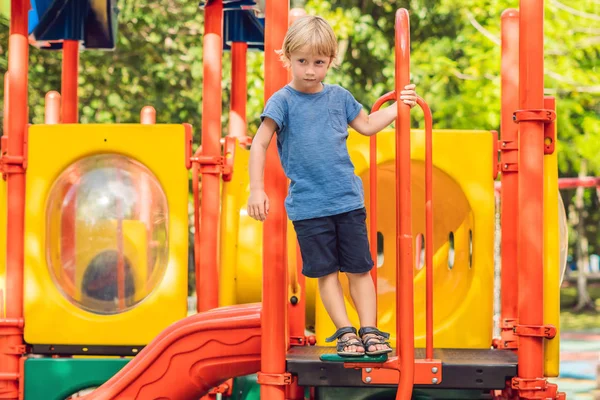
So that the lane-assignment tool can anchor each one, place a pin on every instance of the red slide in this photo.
(190, 357)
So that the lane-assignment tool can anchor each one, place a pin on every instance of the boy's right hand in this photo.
(258, 205)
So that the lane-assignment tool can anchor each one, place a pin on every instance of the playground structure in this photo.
(96, 240)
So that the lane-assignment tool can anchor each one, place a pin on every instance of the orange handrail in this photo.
(405, 331)
(389, 96)
(428, 228)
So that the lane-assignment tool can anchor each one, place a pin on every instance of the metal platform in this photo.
(484, 369)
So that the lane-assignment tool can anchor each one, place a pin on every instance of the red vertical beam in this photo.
(70, 76)
(297, 311)
(509, 194)
(148, 116)
(52, 108)
(531, 186)
(207, 279)
(274, 318)
(405, 330)
(5, 110)
(11, 338)
(237, 117)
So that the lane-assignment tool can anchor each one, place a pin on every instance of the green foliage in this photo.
(158, 62)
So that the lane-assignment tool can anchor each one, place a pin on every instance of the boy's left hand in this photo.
(409, 95)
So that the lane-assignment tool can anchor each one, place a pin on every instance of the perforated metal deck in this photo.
(484, 369)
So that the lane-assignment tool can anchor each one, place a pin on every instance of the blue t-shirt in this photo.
(311, 140)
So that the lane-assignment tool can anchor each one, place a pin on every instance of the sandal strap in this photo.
(371, 330)
(341, 332)
(353, 341)
(373, 340)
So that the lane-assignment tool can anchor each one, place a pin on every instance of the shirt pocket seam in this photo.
(337, 120)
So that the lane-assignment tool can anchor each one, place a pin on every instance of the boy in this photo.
(325, 199)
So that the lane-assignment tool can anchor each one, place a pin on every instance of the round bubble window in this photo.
(107, 233)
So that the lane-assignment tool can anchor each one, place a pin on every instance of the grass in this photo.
(582, 320)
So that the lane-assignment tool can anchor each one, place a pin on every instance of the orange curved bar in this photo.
(405, 323)
(190, 357)
(207, 282)
(52, 108)
(389, 96)
(531, 187)
(428, 227)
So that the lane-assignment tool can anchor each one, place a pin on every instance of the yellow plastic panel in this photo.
(463, 204)
(241, 244)
(50, 317)
(552, 267)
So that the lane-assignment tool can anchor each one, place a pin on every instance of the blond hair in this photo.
(312, 32)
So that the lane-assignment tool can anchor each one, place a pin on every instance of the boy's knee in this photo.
(359, 275)
(328, 277)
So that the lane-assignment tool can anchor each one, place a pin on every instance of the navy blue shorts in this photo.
(335, 243)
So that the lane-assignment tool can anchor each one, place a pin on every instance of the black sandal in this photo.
(379, 338)
(342, 343)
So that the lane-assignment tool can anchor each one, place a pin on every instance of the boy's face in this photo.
(308, 70)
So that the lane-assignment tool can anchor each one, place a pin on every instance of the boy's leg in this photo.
(356, 261)
(364, 297)
(333, 300)
(318, 245)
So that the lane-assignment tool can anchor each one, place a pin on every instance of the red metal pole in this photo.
(207, 279)
(52, 109)
(237, 116)
(570, 183)
(405, 330)
(274, 318)
(5, 109)
(148, 115)
(509, 194)
(373, 205)
(70, 76)
(531, 187)
(297, 311)
(11, 329)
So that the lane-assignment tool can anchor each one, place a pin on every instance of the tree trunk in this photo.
(583, 297)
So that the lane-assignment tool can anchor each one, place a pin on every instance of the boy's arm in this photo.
(258, 202)
(369, 125)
